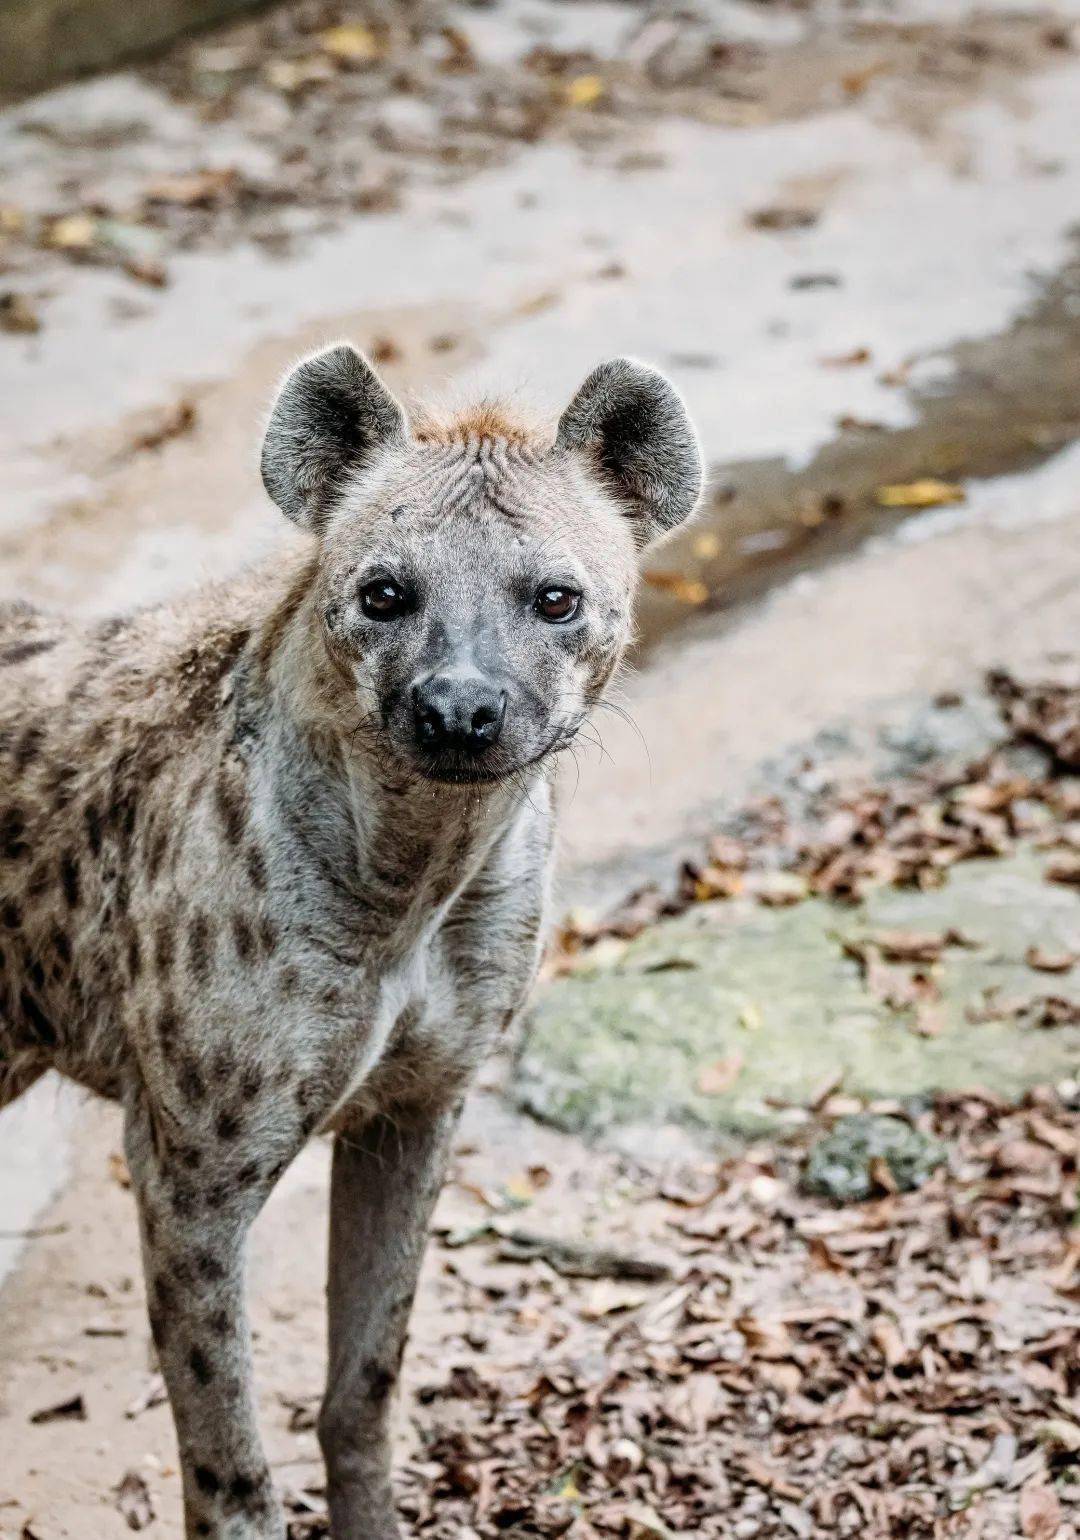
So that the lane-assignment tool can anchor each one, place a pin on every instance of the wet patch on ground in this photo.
(999, 404)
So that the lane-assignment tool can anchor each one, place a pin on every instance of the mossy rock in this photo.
(774, 991)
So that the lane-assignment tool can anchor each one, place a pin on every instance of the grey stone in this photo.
(841, 1164)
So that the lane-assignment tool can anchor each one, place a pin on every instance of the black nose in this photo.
(461, 712)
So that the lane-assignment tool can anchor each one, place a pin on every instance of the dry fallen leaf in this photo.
(195, 189)
(1040, 1512)
(351, 42)
(584, 90)
(293, 74)
(609, 1295)
(846, 360)
(926, 493)
(71, 1410)
(72, 232)
(18, 315)
(1047, 961)
(134, 1501)
(689, 590)
(783, 218)
(716, 1078)
(118, 1170)
(1064, 868)
(152, 1394)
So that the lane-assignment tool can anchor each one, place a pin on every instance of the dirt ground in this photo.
(846, 232)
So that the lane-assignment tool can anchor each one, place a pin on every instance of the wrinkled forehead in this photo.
(485, 499)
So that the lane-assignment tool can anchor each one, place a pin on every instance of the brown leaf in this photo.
(780, 217)
(134, 1501)
(1064, 868)
(1040, 1512)
(71, 1410)
(687, 590)
(846, 360)
(716, 1078)
(196, 189)
(18, 314)
(1047, 961)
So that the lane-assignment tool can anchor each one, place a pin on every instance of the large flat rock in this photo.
(774, 990)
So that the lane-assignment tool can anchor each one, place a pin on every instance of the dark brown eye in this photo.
(382, 600)
(557, 604)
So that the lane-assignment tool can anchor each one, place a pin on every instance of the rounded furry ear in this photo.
(331, 416)
(633, 424)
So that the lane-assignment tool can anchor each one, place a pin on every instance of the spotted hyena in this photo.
(273, 859)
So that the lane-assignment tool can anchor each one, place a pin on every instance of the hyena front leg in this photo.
(386, 1177)
(194, 1229)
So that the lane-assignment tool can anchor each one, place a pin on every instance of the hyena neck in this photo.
(402, 843)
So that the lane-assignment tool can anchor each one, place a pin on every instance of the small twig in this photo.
(32, 1234)
(578, 1259)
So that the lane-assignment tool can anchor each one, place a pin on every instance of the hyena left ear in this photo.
(331, 417)
(631, 421)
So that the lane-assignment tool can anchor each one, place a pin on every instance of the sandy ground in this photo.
(940, 201)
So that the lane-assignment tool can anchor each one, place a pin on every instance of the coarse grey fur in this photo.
(242, 895)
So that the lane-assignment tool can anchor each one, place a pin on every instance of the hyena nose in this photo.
(463, 712)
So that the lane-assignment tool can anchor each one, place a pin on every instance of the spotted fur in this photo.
(233, 898)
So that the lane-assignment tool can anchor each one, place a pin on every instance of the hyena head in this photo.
(474, 581)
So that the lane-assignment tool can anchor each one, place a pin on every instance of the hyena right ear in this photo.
(631, 423)
(331, 417)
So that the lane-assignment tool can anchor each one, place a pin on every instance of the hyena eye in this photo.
(557, 604)
(383, 600)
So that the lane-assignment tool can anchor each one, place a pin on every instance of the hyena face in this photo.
(475, 581)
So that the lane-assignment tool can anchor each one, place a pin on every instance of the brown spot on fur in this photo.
(207, 1481)
(164, 945)
(256, 868)
(29, 747)
(92, 822)
(201, 945)
(268, 936)
(251, 1084)
(230, 799)
(224, 1064)
(210, 1267)
(155, 854)
(24, 650)
(243, 937)
(227, 1125)
(201, 1366)
(42, 1028)
(13, 845)
(41, 880)
(244, 1488)
(10, 915)
(168, 1026)
(191, 1082)
(69, 879)
(380, 1381)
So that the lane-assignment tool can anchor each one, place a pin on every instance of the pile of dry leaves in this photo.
(849, 839)
(902, 1367)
